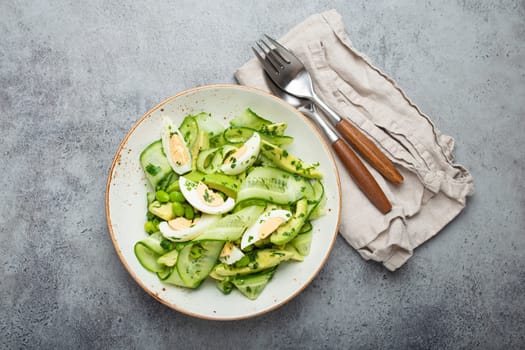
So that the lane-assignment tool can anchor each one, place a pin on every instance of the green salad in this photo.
(226, 202)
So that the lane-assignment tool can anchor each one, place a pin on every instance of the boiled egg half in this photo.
(175, 148)
(204, 198)
(265, 225)
(243, 157)
(181, 229)
(230, 253)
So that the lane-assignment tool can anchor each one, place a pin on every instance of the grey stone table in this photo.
(75, 76)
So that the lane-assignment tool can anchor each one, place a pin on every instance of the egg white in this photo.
(243, 161)
(190, 193)
(251, 235)
(189, 233)
(235, 255)
(168, 129)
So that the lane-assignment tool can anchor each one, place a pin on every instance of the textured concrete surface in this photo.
(75, 76)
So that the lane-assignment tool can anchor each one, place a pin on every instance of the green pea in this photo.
(177, 196)
(188, 212)
(178, 209)
(162, 196)
(149, 227)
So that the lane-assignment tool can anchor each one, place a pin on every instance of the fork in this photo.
(352, 163)
(289, 73)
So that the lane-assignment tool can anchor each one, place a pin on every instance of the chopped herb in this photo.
(278, 253)
(152, 169)
(166, 244)
(207, 196)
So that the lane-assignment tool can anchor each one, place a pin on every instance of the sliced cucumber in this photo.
(303, 241)
(249, 203)
(272, 185)
(208, 124)
(253, 285)
(148, 258)
(155, 163)
(201, 143)
(174, 278)
(166, 181)
(193, 271)
(154, 243)
(162, 275)
(250, 119)
(209, 161)
(306, 227)
(316, 206)
(169, 259)
(189, 130)
(232, 226)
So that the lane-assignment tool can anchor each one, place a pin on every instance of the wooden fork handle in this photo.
(361, 176)
(369, 151)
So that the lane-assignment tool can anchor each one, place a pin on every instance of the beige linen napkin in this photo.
(434, 190)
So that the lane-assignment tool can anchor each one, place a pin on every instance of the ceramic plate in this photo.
(126, 201)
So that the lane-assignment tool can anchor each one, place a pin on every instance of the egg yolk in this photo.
(227, 249)
(178, 152)
(181, 223)
(209, 197)
(236, 155)
(268, 226)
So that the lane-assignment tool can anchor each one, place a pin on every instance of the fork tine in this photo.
(267, 65)
(283, 52)
(270, 55)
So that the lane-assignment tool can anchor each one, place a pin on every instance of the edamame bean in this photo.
(162, 196)
(177, 196)
(149, 227)
(178, 209)
(188, 212)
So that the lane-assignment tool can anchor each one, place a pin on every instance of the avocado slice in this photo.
(286, 232)
(288, 162)
(227, 184)
(263, 259)
(162, 210)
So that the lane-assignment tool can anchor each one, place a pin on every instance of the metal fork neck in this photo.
(329, 112)
(321, 123)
